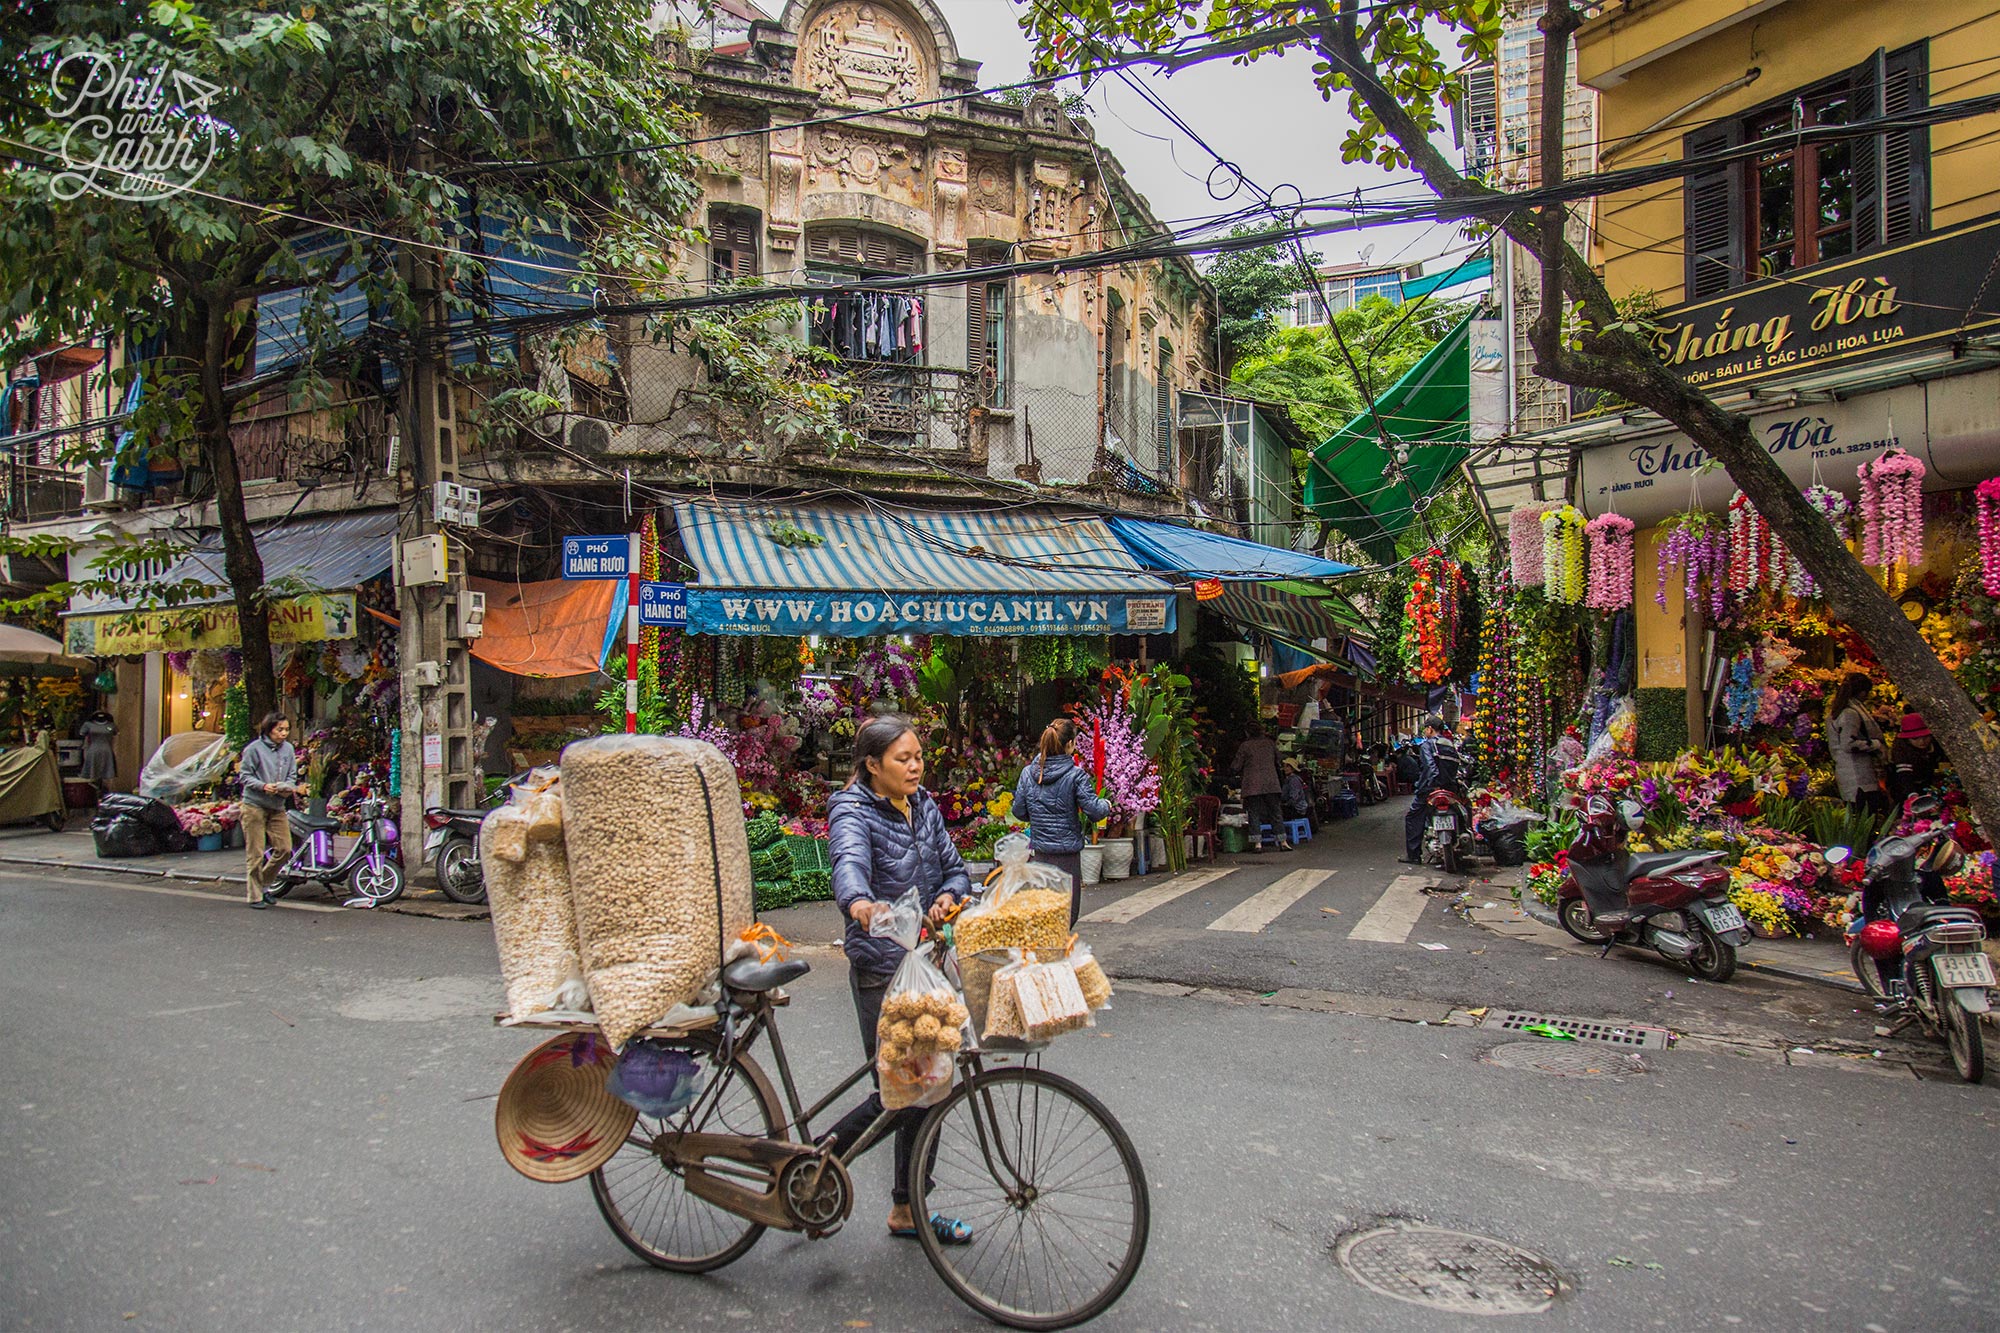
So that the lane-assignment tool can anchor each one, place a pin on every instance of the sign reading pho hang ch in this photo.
(310, 619)
(860, 614)
(1923, 294)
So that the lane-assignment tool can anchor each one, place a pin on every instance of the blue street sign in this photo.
(663, 604)
(597, 557)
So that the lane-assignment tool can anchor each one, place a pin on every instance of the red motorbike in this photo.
(1674, 903)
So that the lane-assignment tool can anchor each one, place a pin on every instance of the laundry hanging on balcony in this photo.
(869, 326)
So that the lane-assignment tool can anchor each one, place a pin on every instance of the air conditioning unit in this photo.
(588, 435)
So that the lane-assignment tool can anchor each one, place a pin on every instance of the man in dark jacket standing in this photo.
(1257, 760)
(1438, 766)
(270, 775)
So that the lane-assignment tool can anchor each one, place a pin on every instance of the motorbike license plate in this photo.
(1441, 823)
(1722, 918)
(1963, 969)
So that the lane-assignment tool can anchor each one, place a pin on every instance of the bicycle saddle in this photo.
(306, 821)
(747, 974)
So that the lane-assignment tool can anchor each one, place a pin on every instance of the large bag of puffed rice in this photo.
(659, 869)
(534, 920)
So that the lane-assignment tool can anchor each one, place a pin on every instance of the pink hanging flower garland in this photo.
(1892, 510)
(1988, 495)
(1611, 573)
(1524, 542)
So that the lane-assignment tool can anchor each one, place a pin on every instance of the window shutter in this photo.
(1906, 156)
(1867, 154)
(732, 243)
(975, 324)
(1714, 214)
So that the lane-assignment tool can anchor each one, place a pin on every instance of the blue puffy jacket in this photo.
(879, 854)
(1048, 797)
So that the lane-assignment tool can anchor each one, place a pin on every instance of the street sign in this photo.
(597, 557)
(663, 604)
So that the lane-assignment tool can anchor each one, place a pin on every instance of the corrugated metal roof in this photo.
(325, 554)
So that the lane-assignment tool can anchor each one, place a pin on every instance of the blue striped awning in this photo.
(1294, 613)
(856, 570)
(330, 554)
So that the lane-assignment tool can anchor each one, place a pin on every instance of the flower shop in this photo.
(998, 624)
(1690, 665)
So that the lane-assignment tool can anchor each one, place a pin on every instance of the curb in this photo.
(436, 910)
(1539, 913)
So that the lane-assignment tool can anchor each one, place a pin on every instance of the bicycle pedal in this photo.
(823, 1232)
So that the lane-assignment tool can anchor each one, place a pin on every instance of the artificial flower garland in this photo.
(1524, 542)
(1833, 507)
(1751, 553)
(1698, 545)
(1892, 510)
(1431, 611)
(1562, 554)
(1611, 576)
(1988, 495)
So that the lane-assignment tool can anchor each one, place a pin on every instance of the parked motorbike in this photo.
(370, 871)
(451, 844)
(1918, 954)
(1674, 903)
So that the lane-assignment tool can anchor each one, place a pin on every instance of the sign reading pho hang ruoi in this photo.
(310, 619)
(1924, 294)
(859, 614)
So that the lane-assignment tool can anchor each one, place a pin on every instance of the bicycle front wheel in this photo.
(1053, 1192)
(645, 1200)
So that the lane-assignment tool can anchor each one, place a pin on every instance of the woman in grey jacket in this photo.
(1054, 796)
(886, 837)
(1855, 740)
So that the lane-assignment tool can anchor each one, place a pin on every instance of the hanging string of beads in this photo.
(1611, 576)
(1562, 554)
(1431, 611)
(1524, 542)
(1833, 507)
(1892, 513)
(1988, 495)
(1697, 545)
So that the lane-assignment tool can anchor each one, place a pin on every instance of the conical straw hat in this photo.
(554, 1119)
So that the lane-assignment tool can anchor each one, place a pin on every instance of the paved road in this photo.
(224, 1120)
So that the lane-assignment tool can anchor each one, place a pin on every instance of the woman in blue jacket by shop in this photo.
(1053, 797)
(887, 837)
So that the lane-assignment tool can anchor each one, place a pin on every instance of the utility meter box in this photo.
(423, 562)
(471, 614)
(429, 675)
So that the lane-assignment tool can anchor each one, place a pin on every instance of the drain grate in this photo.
(1448, 1270)
(1569, 1059)
(1628, 1035)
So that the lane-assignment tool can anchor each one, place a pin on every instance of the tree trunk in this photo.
(1623, 363)
(241, 563)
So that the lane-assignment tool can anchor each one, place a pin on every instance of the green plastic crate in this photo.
(809, 853)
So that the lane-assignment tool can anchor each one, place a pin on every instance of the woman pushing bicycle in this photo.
(887, 837)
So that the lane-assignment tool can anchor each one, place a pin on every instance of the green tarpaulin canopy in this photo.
(1347, 482)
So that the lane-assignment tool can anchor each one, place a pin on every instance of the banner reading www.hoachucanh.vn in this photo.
(857, 615)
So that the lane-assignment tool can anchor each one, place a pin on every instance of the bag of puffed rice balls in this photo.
(923, 1020)
(534, 921)
(659, 870)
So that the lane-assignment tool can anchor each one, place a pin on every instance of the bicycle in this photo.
(369, 871)
(1038, 1168)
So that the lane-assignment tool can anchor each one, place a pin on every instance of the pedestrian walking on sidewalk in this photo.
(1056, 797)
(887, 837)
(270, 778)
(1257, 761)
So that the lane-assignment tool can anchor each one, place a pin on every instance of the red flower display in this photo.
(1431, 611)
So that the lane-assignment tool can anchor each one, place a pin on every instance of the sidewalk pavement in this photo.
(75, 849)
(1821, 960)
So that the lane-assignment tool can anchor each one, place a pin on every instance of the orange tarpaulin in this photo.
(556, 628)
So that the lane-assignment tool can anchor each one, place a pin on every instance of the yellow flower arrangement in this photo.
(1001, 806)
(1766, 911)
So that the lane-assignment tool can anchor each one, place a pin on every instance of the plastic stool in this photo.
(1298, 831)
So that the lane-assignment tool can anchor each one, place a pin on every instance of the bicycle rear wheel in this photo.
(645, 1201)
(1053, 1192)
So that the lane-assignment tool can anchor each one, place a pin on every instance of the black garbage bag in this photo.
(1507, 842)
(154, 813)
(122, 835)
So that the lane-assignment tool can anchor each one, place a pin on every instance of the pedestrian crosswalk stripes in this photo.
(1136, 905)
(1394, 914)
(1265, 906)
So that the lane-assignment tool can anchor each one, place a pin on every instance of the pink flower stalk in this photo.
(1611, 574)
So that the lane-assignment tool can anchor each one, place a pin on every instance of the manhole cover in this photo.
(1449, 1270)
(1570, 1059)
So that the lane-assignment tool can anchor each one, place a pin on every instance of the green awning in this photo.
(1429, 409)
